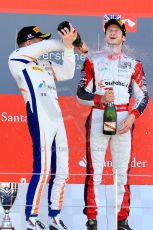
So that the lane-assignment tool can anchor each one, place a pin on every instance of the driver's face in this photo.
(114, 35)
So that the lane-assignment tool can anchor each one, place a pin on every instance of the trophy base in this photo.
(2, 228)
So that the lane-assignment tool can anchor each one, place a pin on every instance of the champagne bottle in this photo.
(78, 41)
(110, 119)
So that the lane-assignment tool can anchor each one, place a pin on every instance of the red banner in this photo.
(16, 146)
(81, 7)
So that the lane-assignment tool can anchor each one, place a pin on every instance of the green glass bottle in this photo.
(78, 41)
(110, 119)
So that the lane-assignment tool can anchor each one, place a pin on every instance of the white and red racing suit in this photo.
(126, 76)
(36, 81)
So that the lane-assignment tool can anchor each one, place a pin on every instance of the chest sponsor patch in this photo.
(105, 84)
(124, 66)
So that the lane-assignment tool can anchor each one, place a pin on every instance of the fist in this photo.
(108, 97)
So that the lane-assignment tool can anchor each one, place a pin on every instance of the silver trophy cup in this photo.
(8, 193)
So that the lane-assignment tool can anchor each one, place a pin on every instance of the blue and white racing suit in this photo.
(36, 81)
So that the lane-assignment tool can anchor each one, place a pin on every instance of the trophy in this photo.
(8, 193)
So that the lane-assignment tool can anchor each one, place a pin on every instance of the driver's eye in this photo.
(115, 31)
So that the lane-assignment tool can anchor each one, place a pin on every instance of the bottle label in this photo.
(109, 126)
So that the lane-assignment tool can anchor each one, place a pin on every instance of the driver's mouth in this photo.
(112, 37)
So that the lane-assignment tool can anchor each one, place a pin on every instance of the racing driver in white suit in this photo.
(36, 81)
(110, 69)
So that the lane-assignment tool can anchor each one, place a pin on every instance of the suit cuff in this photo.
(136, 113)
(97, 99)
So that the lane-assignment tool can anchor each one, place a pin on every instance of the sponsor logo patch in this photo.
(36, 29)
(37, 68)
